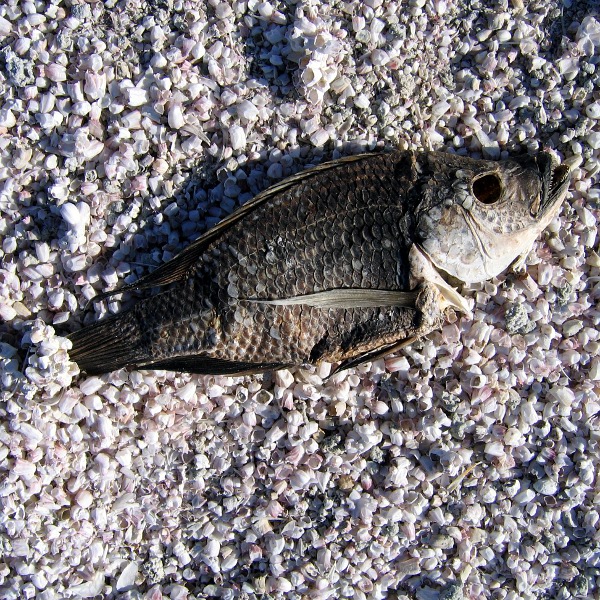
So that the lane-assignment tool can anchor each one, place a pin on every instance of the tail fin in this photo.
(108, 345)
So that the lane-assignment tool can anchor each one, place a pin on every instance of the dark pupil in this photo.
(487, 189)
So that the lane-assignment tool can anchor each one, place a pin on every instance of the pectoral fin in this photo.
(423, 272)
(429, 301)
(348, 298)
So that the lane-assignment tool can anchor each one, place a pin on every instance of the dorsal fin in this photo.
(179, 266)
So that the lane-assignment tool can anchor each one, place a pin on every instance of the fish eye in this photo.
(487, 188)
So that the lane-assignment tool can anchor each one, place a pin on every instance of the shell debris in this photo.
(126, 130)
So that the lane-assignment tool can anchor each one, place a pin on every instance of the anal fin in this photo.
(202, 365)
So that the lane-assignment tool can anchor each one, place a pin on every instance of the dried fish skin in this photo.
(341, 263)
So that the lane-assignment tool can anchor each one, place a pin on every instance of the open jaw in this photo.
(560, 176)
(555, 181)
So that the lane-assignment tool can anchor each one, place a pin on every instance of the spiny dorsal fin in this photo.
(179, 266)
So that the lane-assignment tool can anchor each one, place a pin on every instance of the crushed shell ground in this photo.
(465, 467)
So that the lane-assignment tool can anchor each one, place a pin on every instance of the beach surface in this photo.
(464, 467)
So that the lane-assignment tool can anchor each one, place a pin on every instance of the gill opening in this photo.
(472, 225)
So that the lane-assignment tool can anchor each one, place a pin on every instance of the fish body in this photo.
(343, 263)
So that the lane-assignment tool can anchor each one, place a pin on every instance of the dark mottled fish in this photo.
(345, 263)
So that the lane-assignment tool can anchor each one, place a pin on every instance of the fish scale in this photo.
(341, 263)
(298, 215)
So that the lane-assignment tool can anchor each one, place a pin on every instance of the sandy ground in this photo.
(465, 467)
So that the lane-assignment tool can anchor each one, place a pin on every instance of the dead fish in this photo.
(344, 263)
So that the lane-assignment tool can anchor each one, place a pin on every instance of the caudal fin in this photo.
(107, 345)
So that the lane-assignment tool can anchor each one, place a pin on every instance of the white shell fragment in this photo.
(135, 96)
(247, 110)
(5, 26)
(237, 137)
(90, 588)
(464, 466)
(127, 577)
(176, 118)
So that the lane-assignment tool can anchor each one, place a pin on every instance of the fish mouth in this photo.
(555, 178)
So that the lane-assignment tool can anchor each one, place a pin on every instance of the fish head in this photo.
(491, 213)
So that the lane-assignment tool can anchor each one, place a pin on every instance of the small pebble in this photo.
(84, 498)
(546, 487)
(176, 118)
